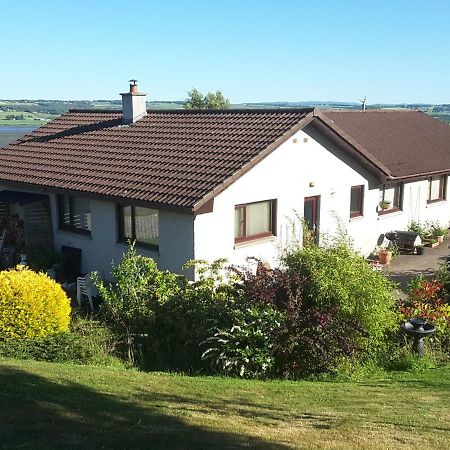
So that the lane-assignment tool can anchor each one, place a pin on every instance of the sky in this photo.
(393, 51)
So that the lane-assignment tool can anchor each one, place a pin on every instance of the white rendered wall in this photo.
(299, 168)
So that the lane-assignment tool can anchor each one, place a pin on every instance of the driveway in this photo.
(405, 267)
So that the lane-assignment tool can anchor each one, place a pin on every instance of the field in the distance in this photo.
(45, 405)
(39, 111)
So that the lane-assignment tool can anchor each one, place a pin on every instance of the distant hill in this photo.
(35, 112)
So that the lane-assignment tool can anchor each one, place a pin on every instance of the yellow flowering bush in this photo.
(32, 305)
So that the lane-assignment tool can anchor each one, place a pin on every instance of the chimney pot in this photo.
(133, 85)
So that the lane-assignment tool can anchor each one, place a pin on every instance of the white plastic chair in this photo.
(86, 287)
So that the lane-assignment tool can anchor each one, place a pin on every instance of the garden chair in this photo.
(85, 287)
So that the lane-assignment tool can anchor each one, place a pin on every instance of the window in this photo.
(356, 201)
(437, 187)
(391, 198)
(254, 220)
(74, 214)
(138, 224)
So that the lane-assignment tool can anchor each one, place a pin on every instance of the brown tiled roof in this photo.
(402, 143)
(168, 158)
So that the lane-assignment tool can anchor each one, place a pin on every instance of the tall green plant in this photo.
(130, 301)
(336, 275)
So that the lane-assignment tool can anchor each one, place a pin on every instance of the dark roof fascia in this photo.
(353, 147)
(93, 196)
(419, 176)
(263, 154)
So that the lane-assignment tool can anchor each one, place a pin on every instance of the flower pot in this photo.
(440, 239)
(385, 256)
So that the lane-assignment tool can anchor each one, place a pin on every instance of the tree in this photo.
(212, 100)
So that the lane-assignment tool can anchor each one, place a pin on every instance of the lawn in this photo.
(46, 405)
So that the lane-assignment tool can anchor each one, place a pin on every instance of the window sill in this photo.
(73, 233)
(356, 218)
(385, 214)
(141, 247)
(433, 203)
(256, 241)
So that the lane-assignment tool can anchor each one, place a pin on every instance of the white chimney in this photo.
(134, 105)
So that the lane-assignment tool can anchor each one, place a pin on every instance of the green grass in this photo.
(44, 405)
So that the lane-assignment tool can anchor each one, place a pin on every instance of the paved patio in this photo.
(405, 267)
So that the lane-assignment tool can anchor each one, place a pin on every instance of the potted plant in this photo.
(438, 232)
(431, 242)
(417, 227)
(385, 204)
(384, 255)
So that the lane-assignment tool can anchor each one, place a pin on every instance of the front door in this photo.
(311, 215)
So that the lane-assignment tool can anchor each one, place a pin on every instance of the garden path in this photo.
(404, 267)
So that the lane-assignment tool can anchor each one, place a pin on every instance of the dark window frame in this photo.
(382, 212)
(360, 211)
(442, 189)
(64, 226)
(121, 231)
(273, 222)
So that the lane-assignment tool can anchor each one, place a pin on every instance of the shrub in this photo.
(246, 349)
(41, 258)
(443, 276)
(129, 303)
(31, 305)
(425, 301)
(338, 279)
(87, 342)
(184, 321)
(312, 338)
(272, 329)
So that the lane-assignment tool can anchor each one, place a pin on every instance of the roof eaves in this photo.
(263, 154)
(418, 176)
(95, 196)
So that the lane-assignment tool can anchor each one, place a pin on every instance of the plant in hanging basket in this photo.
(385, 204)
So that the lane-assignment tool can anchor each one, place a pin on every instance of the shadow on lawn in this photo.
(36, 413)
(268, 414)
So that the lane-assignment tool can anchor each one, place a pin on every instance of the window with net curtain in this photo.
(437, 188)
(392, 193)
(74, 213)
(139, 224)
(254, 220)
